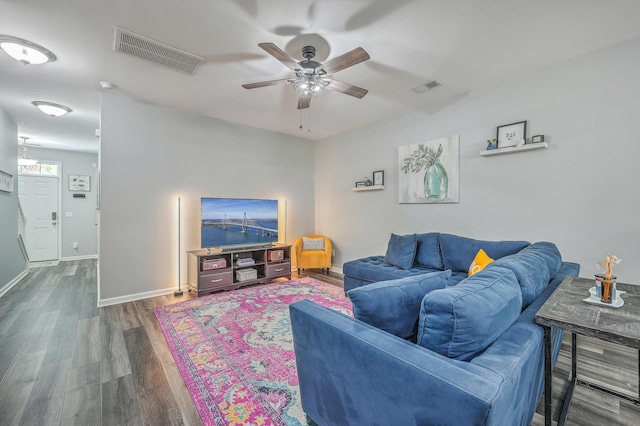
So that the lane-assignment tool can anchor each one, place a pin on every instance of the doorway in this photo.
(39, 198)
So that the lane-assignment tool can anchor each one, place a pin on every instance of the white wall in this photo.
(12, 262)
(150, 155)
(582, 193)
(81, 227)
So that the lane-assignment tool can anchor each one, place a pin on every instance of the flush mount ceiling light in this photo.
(25, 51)
(49, 108)
(25, 159)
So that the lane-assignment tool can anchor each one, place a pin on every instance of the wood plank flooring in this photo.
(63, 361)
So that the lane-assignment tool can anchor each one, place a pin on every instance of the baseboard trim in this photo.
(88, 256)
(14, 281)
(133, 297)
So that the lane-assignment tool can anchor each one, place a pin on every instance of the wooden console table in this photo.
(566, 309)
(266, 262)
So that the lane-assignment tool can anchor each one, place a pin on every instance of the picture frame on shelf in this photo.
(537, 138)
(79, 183)
(511, 134)
(361, 184)
(378, 177)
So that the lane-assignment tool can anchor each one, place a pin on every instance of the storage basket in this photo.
(246, 274)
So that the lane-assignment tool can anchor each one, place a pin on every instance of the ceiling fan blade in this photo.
(266, 83)
(347, 60)
(280, 55)
(347, 89)
(304, 102)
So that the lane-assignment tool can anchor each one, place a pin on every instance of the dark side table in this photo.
(566, 309)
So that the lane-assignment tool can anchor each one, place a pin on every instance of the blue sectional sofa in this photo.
(432, 345)
(416, 254)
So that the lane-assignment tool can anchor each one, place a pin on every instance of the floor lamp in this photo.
(179, 291)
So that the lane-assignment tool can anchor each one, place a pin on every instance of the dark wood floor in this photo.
(63, 361)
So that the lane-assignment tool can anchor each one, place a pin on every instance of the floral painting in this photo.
(430, 171)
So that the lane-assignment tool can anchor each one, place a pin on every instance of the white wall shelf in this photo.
(368, 188)
(513, 149)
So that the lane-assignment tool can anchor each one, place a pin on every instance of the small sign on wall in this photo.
(79, 183)
(6, 182)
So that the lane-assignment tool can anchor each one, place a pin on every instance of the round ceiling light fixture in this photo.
(49, 108)
(25, 51)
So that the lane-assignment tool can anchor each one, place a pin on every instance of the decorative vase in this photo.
(436, 182)
(489, 146)
(607, 288)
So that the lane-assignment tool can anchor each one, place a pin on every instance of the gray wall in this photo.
(150, 155)
(81, 227)
(12, 262)
(581, 193)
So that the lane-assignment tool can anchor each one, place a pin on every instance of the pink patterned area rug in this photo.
(235, 350)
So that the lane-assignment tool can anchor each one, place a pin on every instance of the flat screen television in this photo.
(238, 222)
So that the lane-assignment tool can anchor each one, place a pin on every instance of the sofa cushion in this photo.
(479, 262)
(533, 266)
(373, 269)
(394, 306)
(428, 251)
(309, 243)
(460, 322)
(458, 252)
(401, 251)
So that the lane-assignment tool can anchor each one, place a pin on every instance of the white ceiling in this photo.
(465, 44)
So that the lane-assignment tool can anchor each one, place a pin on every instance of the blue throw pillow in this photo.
(459, 252)
(394, 306)
(460, 322)
(401, 251)
(533, 266)
(428, 251)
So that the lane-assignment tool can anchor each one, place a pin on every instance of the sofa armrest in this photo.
(353, 373)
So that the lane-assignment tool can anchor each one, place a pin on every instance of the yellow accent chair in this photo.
(313, 251)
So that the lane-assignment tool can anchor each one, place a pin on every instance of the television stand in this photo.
(211, 272)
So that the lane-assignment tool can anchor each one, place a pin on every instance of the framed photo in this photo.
(378, 177)
(361, 184)
(537, 138)
(510, 134)
(79, 183)
(6, 182)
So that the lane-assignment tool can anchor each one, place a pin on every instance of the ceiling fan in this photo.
(312, 77)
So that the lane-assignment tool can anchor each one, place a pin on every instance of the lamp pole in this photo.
(179, 292)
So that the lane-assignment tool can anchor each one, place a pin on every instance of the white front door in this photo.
(39, 198)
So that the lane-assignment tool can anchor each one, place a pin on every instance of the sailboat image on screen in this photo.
(235, 222)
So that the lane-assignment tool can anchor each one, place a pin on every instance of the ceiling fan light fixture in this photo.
(49, 108)
(25, 51)
(309, 84)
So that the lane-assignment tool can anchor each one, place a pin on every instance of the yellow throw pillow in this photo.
(479, 262)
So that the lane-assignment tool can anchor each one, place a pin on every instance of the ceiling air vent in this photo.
(133, 44)
(427, 86)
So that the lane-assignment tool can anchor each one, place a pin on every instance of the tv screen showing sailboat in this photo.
(238, 222)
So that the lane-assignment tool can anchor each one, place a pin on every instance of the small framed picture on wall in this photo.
(378, 177)
(79, 183)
